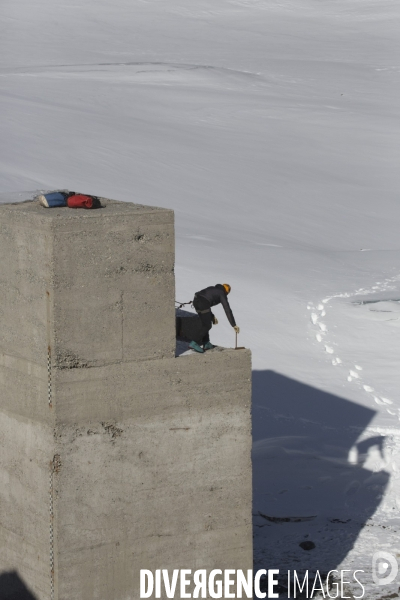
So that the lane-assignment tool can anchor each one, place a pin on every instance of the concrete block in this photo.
(161, 477)
(26, 450)
(95, 285)
(114, 454)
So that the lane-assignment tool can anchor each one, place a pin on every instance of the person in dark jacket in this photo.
(202, 302)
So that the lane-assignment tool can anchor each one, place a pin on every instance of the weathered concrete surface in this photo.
(25, 275)
(109, 278)
(119, 304)
(114, 455)
(26, 448)
(161, 477)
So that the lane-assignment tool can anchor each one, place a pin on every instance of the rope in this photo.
(52, 463)
(49, 392)
(183, 303)
(55, 467)
(51, 492)
(51, 534)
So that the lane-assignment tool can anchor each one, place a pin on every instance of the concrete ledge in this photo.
(213, 379)
(160, 469)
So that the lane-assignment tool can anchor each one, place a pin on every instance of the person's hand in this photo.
(215, 320)
(237, 329)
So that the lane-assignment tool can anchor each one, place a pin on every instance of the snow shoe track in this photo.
(353, 372)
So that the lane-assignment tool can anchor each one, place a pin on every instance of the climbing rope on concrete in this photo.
(51, 507)
(49, 392)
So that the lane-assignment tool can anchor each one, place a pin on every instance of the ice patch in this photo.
(314, 318)
(322, 326)
(329, 350)
(368, 388)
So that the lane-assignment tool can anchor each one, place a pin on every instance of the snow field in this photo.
(271, 128)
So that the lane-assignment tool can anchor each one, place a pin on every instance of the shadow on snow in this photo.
(304, 487)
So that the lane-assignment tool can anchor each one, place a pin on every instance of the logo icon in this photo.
(384, 568)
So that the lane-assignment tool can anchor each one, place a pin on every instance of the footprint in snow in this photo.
(323, 329)
(382, 401)
(386, 400)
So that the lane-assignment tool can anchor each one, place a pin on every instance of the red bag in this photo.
(80, 201)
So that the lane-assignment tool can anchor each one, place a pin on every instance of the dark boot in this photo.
(208, 346)
(194, 346)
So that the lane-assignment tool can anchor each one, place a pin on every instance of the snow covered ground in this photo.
(271, 127)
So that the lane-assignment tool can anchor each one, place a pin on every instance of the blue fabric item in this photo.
(53, 199)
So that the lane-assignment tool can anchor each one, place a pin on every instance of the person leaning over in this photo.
(202, 302)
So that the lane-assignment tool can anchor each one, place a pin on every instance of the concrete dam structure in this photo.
(115, 456)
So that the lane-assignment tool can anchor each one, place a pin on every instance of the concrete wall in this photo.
(26, 449)
(25, 276)
(173, 451)
(114, 454)
(114, 286)
(26, 422)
